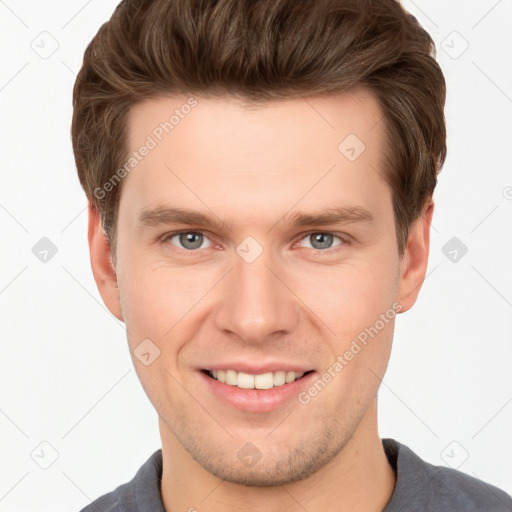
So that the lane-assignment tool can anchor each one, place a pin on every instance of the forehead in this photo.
(195, 119)
(323, 148)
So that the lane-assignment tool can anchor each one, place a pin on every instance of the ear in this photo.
(413, 265)
(101, 262)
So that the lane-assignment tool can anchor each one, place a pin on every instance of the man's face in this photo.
(253, 291)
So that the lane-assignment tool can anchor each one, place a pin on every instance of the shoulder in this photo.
(122, 499)
(464, 491)
(106, 503)
(141, 493)
(438, 488)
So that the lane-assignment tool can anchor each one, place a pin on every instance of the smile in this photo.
(261, 381)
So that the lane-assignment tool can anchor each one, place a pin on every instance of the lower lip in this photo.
(257, 400)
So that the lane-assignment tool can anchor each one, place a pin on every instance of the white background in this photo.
(66, 377)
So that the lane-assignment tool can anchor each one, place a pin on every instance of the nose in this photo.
(256, 304)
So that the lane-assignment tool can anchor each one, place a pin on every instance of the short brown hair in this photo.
(263, 50)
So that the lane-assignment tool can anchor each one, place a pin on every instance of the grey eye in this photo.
(321, 240)
(189, 240)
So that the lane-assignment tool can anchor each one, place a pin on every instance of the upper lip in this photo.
(257, 369)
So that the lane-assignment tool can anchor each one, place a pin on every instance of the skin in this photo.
(252, 168)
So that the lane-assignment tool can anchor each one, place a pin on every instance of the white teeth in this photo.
(262, 381)
(279, 378)
(245, 380)
(231, 377)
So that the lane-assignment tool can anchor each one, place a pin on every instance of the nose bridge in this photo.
(256, 304)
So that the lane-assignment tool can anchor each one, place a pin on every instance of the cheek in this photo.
(360, 307)
(350, 296)
(156, 298)
(142, 299)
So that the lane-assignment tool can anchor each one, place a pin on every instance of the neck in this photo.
(359, 478)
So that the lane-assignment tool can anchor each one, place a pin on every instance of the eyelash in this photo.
(344, 240)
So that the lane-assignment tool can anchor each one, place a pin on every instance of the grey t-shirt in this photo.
(420, 487)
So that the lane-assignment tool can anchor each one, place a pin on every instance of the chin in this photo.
(272, 465)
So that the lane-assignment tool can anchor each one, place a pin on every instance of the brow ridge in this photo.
(169, 215)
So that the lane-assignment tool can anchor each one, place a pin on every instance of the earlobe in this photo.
(101, 263)
(413, 266)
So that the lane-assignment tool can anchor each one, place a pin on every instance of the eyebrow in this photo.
(168, 215)
(330, 216)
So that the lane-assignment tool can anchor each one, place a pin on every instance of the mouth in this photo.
(261, 381)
